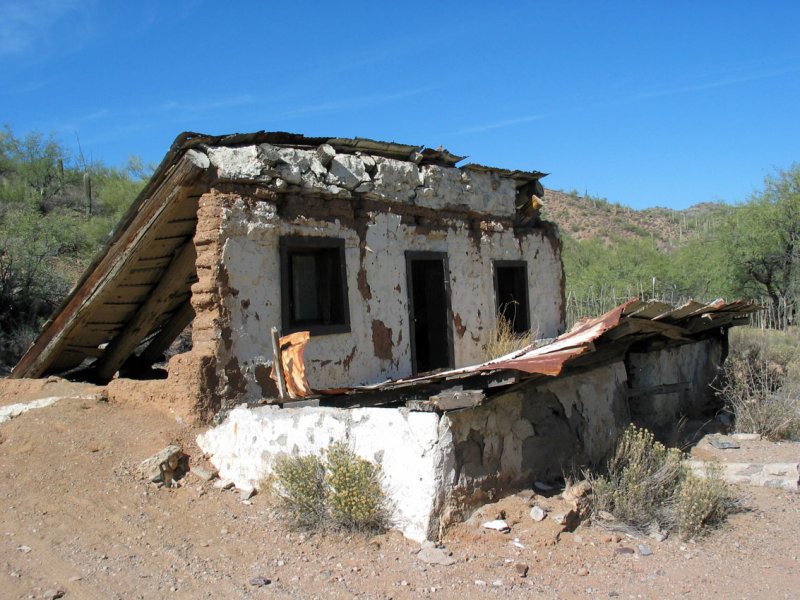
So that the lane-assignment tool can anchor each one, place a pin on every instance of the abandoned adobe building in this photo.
(397, 263)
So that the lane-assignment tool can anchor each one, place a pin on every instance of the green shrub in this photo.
(648, 486)
(336, 489)
(300, 486)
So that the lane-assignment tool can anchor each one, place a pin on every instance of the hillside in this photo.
(588, 217)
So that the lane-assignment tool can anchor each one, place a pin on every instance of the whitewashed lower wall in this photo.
(415, 454)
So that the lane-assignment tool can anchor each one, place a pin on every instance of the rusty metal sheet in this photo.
(652, 310)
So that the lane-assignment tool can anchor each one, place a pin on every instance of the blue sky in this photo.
(644, 103)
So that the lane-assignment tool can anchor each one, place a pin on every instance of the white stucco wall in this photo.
(251, 258)
(415, 453)
(251, 230)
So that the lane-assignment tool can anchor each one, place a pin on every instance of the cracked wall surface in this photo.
(381, 208)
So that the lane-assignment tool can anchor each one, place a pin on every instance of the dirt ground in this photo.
(76, 517)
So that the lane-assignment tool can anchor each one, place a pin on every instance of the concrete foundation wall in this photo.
(413, 449)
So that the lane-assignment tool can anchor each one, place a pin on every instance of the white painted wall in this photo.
(414, 452)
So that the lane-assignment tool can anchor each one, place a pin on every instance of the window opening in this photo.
(313, 285)
(511, 293)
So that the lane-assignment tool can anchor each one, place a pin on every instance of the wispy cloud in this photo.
(25, 22)
(353, 103)
(498, 124)
(715, 82)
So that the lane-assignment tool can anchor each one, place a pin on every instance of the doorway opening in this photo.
(429, 311)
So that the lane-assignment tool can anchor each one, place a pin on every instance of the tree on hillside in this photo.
(762, 238)
(47, 233)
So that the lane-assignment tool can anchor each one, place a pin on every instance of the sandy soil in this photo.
(76, 517)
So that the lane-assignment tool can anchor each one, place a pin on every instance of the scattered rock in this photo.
(246, 493)
(497, 583)
(538, 513)
(259, 581)
(497, 525)
(582, 572)
(566, 519)
(623, 550)
(480, 583)
(644, 550)
(204, 473)
(24, 549)
(161, 467)
(722, 444)
(435, 556)
(223, 484)
(521, 569)
(53, 594)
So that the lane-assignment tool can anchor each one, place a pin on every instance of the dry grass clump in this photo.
(647, 486)
(761, 382)
(504, 340)
(337, 489)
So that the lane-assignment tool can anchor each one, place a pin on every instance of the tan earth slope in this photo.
(78, 521)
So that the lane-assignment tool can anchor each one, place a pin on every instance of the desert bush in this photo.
(299, 484)
(760, 384)
(648, 486)
(336, 489)
(355, 495)
(703, 501)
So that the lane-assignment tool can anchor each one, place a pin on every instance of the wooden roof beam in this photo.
(173, 281)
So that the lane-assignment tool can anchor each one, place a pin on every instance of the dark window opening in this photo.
(511, 293)
(313, 286)
(429, 308)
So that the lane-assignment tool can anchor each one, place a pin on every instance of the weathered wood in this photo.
(277, 364)
(174, 183)
(171, 329)
(502, 379)
(173, 280)
(455, 399)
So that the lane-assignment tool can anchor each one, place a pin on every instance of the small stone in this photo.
(75, 578)
(24, 549)
(203, 473)
(644, 550)
(259, 581)
(404, 583)
(497, 583)
(223, 484)
(160, 468)
(521, 569)
(543, 486)
(325, 153)
(436, 556)
(582, 572)
(281, 563)
(623, 550)
(497, 525)
(14, 574)
(246, 493)
(53, 594)
(480, 583)
(615, 538)
(606, 516)
(538, 513)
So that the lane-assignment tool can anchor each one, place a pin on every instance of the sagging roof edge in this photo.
(628, 323)
(52, 332)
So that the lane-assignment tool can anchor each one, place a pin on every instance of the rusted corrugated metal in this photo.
(618, 328)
